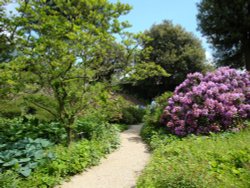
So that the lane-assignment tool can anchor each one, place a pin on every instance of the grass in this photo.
(221, 160)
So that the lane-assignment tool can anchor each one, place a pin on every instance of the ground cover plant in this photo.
(24, 155)
(221, 160)
(37, 165)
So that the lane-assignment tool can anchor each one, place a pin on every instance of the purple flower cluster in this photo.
(208, 103)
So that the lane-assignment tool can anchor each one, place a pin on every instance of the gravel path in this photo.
(120, 169)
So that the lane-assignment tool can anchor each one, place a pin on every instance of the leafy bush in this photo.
(208, 103)
(12, 130)
(132, 115)
(105, 104)
(221, 160)
(66, 161)
(25, 155)
(151, 120)
(75, 158)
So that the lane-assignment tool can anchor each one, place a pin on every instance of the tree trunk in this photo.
(68, 124)
(69, 134)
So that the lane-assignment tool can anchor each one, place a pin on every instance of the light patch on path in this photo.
(120, 169)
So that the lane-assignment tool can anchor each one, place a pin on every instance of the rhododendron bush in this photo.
(208, 103)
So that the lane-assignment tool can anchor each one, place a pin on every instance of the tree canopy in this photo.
(60, 47)
(176, 51)
(227, 27)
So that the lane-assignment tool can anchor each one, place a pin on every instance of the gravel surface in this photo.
(120, 169)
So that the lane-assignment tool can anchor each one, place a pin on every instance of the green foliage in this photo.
(136, 57)
(226, 26)
(6, 37)
(175, 51)
(132, 115)
(151, 119)
(200, 161)
(9, 109)
(112, 107)
(142, 71)
(75, 158)
(57, 162)
(28, 105)
(121, 127)
(12, 130)
(9, 179)
(24, 155)
(60, 46)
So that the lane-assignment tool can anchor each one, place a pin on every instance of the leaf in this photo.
(235, 171)
(11, 163)
(38, 154)
(32, 165)
(2, 145)
(45, 143)
(51, 155)
(24, 160)
(25, 171)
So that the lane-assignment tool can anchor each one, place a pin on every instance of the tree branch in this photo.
(44, 108)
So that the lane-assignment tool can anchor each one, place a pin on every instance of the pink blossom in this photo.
(208, 103)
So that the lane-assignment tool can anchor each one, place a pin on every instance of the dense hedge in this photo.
(207, 103)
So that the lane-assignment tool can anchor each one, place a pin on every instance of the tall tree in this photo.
(59, 45)
(227, 27)
(176, 51)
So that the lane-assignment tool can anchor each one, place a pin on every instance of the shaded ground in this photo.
(120, 169)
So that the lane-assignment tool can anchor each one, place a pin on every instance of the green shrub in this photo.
(75, 158)
(200, 161)
(12, 130)
(68, 161)
(132, 115)
(86, 125)
(151, 120)
(104, 103)
(111, 107)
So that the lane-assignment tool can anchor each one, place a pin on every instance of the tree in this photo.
(59, 45)
(227, 27)
(6, 34)
(175, 51)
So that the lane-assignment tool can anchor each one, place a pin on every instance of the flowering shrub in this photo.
(208, 103)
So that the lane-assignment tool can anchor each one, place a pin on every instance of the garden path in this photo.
(120, 169)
